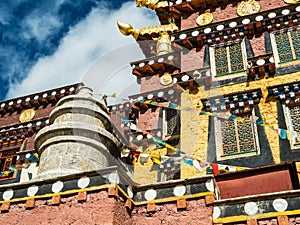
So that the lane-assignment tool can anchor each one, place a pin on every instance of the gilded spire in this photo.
(151, 4)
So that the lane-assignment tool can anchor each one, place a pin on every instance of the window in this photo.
(286, 45)
(236, 137)
(292, 118)
(227, 59)
(8, 155)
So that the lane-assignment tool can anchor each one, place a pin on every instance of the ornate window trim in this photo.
(228, 56)
(292, 44)
(295, 144)
(219, 135)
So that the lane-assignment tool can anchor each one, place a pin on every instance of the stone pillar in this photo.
(79, 138)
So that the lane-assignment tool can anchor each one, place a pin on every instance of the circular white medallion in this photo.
(139, 137)
(149, 136)
(150, 194)
(160, 60)
(32, 190)
(185, 78)
(113, 178)
(27, 155)
(160, 94)
(207, 30)
(2, 105)
(175, 80)
(246, 21)
(140, 98)
(216, 212)
(170, 57)
(259, 18)
(179, 190)
(172, 38)
(151, 62)
(170, 92)
(298, 9)
(272, 15)
(195, 33)
(182, 36)
(260, 62)
(83, 182)
(285, 12)
(150, 96)
(251, 208)
(8, 194)
(233, 24)
(220, 27)
(141, 64)
(57, 186)
(280, 205)
(210, 185)
(129, 191)
(271, 60)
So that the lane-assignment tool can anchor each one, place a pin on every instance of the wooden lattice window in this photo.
(229, 59)
(173, 122)
(288, 45)
(236, 137)
(292, 117)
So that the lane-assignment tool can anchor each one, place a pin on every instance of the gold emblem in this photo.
(291, 1)
(166, 79)
(248, 7)
(204, 19)
(27, 115)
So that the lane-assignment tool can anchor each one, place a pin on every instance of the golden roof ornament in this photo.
(151, 4)
(248, 7)
(204, 19)
(163, 41)
(291, 1)
(166, 79)
(27, 115)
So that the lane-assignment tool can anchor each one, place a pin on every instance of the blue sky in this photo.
(45, 44)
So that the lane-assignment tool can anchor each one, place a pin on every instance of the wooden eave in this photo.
(38, 99)
(238, 28)
(32, 126)
(156, 65)
(262, 66)
(186, 7)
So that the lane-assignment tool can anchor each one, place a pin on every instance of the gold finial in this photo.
(163, 41)
(248, 7)
(151, 4)
(127, 29)
(163, 45)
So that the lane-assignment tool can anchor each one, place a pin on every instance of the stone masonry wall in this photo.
(195, 213)
(103, 210)
(98, 209)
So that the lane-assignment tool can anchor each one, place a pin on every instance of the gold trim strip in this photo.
(259, 216)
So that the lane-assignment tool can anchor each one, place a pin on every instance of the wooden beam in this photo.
(252, 222)
(283, 220)
(188, 44)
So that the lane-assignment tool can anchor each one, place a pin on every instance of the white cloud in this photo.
(40, 25)
(93, 37)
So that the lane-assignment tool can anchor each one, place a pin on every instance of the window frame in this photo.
(275, 46)
(227, 46)
(289, 124)
(219, 139)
